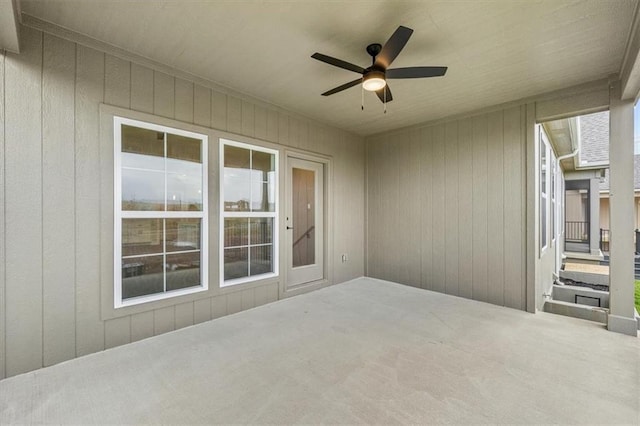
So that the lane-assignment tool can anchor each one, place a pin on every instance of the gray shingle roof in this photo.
(604, 183)
(594, 138)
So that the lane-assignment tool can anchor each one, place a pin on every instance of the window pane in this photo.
(183, 270)
(142, 190)
(236, 232)
(237, 158)
(263, 162)
(259, 196)
(142, 141)
(141, 162)
(182, 234)
(261, 230)
(543, 222)
(303, 215)
(183, 148)
(184, 192)
(261, 260)
(236, 263)
(141, 236)
(142, 276)
(237, 192)
(184, 173)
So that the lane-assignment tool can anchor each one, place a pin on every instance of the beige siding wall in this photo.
(446, 207)
(604, 212)
(51, 189)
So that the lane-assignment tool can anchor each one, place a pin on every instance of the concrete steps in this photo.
(568, 309)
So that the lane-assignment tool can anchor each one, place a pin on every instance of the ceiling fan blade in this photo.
(338, 63)
(416, 72)
(343, 87)
(384, 97)
(393, 46)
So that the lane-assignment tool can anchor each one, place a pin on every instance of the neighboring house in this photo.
(604, 198)
(583, 144)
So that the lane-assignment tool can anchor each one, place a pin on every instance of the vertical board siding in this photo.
(479, 199)
(438, 210)
(426, 188)
(23, 195)
(234, 302)
(184, 100)
(164, 320)
(117, 81)
(465, 209)
(58, 201)
(272, 125)
(495, 208)
(410, 250)
(2, 230)
(247, 120)
(117, 332)
(164, 92)
(234, 115)
(117, 91)
(89, 93)
(451, 208)
(202, 310)
(184, 315)
(218, 306)
(141, 88)
(218, 110)
(56, 243)
(201, 106)
(515, 281)
(470, 213)
(141, 326)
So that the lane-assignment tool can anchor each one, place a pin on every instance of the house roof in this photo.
(594, 139)
(496, 51)
(604, 183)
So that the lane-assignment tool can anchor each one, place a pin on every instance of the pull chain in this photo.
(385, 99)
(362, 104)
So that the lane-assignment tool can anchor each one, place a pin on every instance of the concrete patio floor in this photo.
(365, 351)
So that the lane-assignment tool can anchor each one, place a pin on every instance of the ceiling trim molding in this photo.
(90, 42)
(10, 25)
(592, 91)
(630, 67)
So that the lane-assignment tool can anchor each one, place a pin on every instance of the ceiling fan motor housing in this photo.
(374, 49)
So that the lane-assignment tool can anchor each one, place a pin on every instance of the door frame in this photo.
(327, 223)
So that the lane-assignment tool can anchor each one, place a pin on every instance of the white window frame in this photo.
(553, 193)
(544, 192)
(119, 214)
(275, 215)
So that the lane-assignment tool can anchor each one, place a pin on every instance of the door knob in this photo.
(289, 227)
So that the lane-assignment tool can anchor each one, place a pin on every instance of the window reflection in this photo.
(249, 180)
(159, 172)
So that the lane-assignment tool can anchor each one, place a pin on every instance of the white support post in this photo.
(621, 278)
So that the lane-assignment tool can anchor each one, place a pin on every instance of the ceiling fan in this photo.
(374, 78)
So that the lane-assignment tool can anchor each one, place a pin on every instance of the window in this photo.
(160, 212)
(544, 167)
(249, 206)
(552, 190)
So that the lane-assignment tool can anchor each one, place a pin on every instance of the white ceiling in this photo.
(496, 51)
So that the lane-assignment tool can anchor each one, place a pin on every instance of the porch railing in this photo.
(577, 232)
(604, 239)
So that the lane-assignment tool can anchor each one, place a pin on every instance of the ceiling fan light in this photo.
(374, 81)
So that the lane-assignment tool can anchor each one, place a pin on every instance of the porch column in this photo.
(621, 282)
(594, 216)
